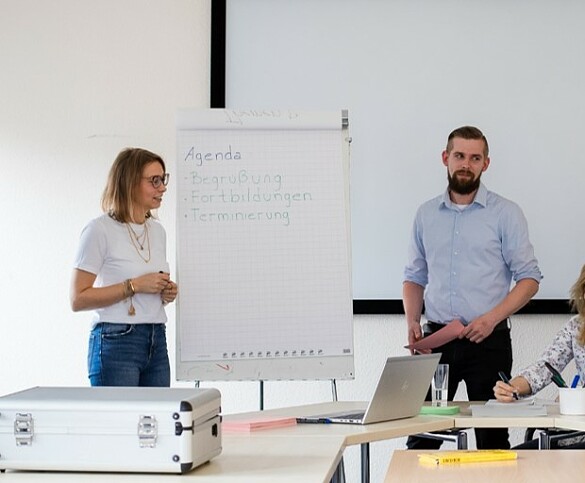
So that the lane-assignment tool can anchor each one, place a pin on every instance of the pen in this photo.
(504, 378)
(575, 381)
(556, 376)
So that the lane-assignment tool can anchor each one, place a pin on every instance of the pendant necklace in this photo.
(138, 237)
(137, 244)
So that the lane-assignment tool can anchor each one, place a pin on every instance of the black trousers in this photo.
(477, 365)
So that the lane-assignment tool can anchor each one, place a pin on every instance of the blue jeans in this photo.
(128, 355)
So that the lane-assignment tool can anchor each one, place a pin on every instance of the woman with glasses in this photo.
(121, 274)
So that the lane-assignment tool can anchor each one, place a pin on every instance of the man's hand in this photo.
(478, 329)
(414, 334)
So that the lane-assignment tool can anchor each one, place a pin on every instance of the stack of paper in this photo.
(256, 424)
(467, 456)
(522, 408)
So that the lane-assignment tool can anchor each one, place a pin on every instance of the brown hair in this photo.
(577, 301)
(124, 178)
(467, 132)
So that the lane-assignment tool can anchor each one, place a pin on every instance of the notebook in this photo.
(400, 392)
(524, 408)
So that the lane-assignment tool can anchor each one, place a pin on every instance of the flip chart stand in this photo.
(263, 223)
(261, 391)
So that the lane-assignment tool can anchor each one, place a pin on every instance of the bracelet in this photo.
(129, 290)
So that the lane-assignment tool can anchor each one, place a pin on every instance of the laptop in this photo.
(400, 393)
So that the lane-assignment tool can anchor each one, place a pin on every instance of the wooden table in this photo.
(530, 467)
(464, 419)
(570, 422)
(352, 434)
(245, 458)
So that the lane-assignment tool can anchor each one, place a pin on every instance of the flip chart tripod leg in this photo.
(334, 389)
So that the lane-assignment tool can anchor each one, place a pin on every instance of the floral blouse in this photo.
(563, 349)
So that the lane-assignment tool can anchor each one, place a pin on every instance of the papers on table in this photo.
(244, 426)
(523, 408)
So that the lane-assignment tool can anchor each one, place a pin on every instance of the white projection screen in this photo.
(409, 73)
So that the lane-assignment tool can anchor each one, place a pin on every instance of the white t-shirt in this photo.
(106, 250)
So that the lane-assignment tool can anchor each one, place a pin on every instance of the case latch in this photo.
(24, 429)
(147, 431)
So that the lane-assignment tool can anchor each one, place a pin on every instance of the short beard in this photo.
(463, 187)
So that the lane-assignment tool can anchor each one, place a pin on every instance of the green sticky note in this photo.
(440, 410)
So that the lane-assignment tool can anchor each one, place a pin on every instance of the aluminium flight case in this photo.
(127, 429)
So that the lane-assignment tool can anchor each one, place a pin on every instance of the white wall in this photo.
(81, 80)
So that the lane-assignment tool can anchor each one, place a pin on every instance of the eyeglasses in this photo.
(157, 180)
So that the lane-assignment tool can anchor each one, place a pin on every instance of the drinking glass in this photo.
(440, 385)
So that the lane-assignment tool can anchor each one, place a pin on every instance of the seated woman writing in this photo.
(568, 344)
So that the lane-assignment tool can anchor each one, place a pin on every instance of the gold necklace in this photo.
(138, 237)
(137, 244)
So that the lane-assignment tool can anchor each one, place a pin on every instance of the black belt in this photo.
(431, 327)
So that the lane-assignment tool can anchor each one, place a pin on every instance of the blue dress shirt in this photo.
(466, 258)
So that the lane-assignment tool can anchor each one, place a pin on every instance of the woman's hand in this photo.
(151, 283)
(169, 293)
(504, 392)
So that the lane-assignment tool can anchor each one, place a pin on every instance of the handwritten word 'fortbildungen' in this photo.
(250, 196)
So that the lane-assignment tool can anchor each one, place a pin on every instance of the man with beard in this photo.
(467, 246)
